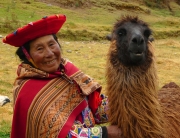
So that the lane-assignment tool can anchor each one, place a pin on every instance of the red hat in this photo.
(47, 25)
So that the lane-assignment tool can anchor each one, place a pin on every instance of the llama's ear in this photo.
(151, 39)
(109, 37)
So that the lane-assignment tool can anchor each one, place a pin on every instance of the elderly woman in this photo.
(52, 97)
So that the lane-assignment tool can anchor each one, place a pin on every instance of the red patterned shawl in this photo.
(46, 105)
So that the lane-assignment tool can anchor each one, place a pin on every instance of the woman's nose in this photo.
(49, 52)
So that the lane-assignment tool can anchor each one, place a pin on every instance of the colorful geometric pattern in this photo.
(87, 129)
(47, 108)
(101, 114)
(78, 131)
(88, 118)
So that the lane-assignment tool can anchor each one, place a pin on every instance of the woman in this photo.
(52, 97)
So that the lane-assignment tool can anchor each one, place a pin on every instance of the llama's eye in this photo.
(147, 33)
(122, 32)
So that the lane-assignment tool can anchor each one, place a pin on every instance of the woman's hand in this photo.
(114, 132)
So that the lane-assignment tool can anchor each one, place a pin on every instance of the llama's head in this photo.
(131, 37)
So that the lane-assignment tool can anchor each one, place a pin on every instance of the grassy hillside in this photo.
(91, 19)
(82, 37)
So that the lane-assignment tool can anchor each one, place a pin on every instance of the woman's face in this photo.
(46, 54)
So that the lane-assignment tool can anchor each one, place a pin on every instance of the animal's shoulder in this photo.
(169, 94)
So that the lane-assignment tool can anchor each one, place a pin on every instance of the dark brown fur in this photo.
(133, 96)
(169, 97)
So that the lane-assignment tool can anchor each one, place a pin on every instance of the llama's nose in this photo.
(137, 39)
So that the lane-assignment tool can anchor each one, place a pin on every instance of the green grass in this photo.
(90, 18)
(4, 129)
(90, 57)
(82, 38)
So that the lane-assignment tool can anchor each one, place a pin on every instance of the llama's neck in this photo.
(133, 102)
(134, 105)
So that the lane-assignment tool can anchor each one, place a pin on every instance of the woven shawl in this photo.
(46, 105)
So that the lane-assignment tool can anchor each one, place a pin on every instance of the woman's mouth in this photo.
(50, 62)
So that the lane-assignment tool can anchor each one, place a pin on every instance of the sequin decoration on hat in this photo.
(45, 26)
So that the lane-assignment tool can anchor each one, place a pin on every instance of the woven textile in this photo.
(46, 105)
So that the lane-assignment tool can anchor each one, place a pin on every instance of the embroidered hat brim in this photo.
(45, 26)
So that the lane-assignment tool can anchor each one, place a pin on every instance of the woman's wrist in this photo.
(113, 131)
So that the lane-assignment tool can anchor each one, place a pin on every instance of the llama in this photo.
(135, 104)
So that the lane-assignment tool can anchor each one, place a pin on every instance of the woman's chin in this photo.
(50, 69)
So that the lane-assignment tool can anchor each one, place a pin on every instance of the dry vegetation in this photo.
(89, 22)
(90, 57)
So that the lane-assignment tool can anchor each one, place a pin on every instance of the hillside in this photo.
(92, 19)
(82, 37)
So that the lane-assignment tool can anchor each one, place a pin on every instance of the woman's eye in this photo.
(51, 44)
(39, 48)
